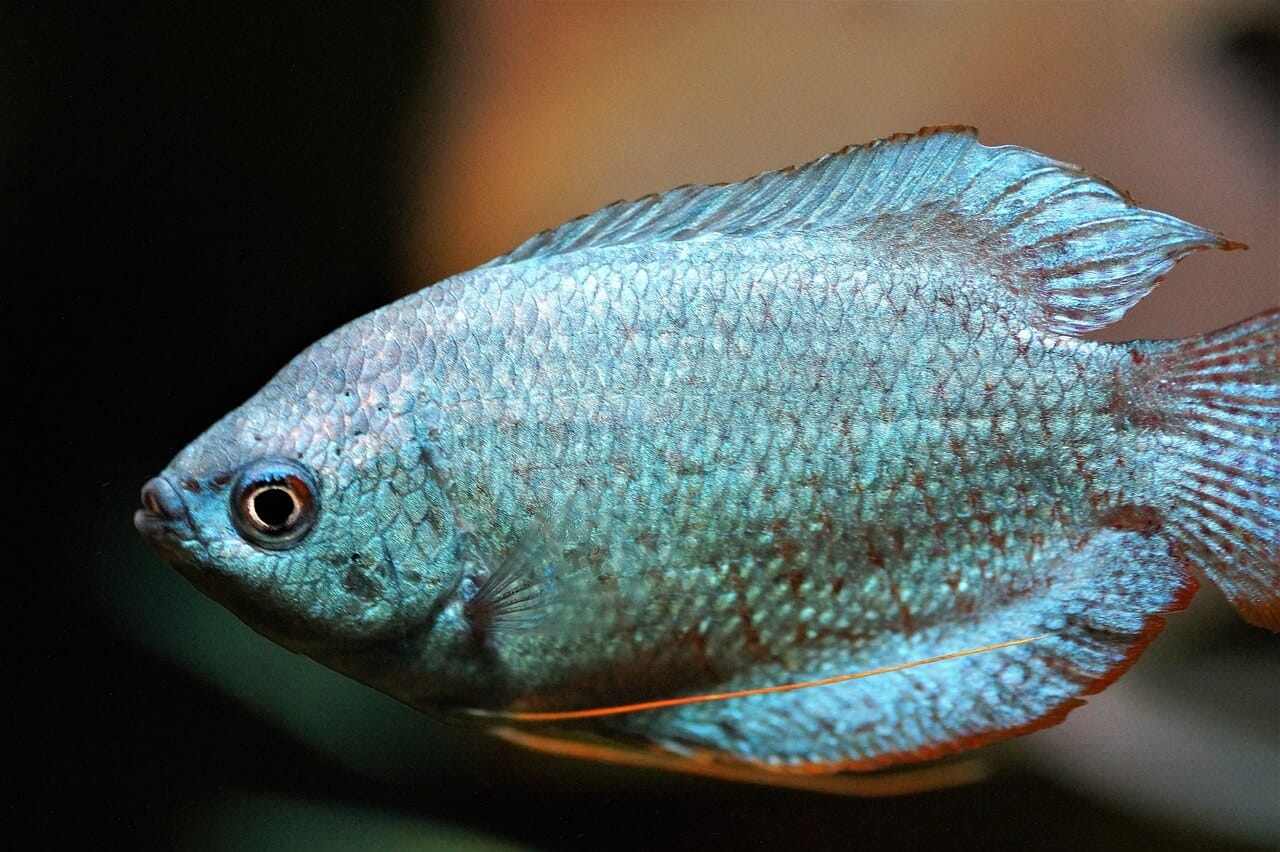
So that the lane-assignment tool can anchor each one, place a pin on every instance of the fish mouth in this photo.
(164, 522)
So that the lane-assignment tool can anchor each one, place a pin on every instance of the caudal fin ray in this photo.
(1219, 399)
(1220, 527)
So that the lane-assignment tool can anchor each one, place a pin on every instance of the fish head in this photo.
(313, 511)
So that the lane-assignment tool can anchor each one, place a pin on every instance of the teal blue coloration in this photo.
(826, 420)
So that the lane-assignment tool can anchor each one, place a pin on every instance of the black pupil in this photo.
(273, 506)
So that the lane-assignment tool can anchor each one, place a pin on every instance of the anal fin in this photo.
(1102, 607)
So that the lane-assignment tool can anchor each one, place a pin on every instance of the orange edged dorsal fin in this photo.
(620, 709)
(1074, 249)
(894, 782)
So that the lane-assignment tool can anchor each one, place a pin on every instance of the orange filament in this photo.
(617, 710)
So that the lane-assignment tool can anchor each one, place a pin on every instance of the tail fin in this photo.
(1220, 405)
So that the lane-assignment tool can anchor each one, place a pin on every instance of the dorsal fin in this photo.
(1082, 251)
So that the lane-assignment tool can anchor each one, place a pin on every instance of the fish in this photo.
(809, 474)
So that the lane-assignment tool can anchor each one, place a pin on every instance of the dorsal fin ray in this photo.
(1081, 251)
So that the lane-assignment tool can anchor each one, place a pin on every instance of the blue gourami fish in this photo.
(807, 473)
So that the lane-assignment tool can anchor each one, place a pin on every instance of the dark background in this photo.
(191, 194)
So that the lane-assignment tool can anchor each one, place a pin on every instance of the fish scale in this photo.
(897, 435)
(806, 473)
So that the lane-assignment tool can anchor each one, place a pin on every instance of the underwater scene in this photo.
(807, 440)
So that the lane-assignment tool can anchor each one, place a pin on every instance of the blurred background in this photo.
(192, 193)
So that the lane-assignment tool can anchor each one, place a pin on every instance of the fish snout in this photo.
(163, 513)
(161, 499)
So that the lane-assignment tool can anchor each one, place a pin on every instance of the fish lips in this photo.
(165, 523)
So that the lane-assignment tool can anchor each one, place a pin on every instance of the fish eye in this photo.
(274, 504)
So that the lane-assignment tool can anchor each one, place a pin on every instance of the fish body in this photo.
(829, 420)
